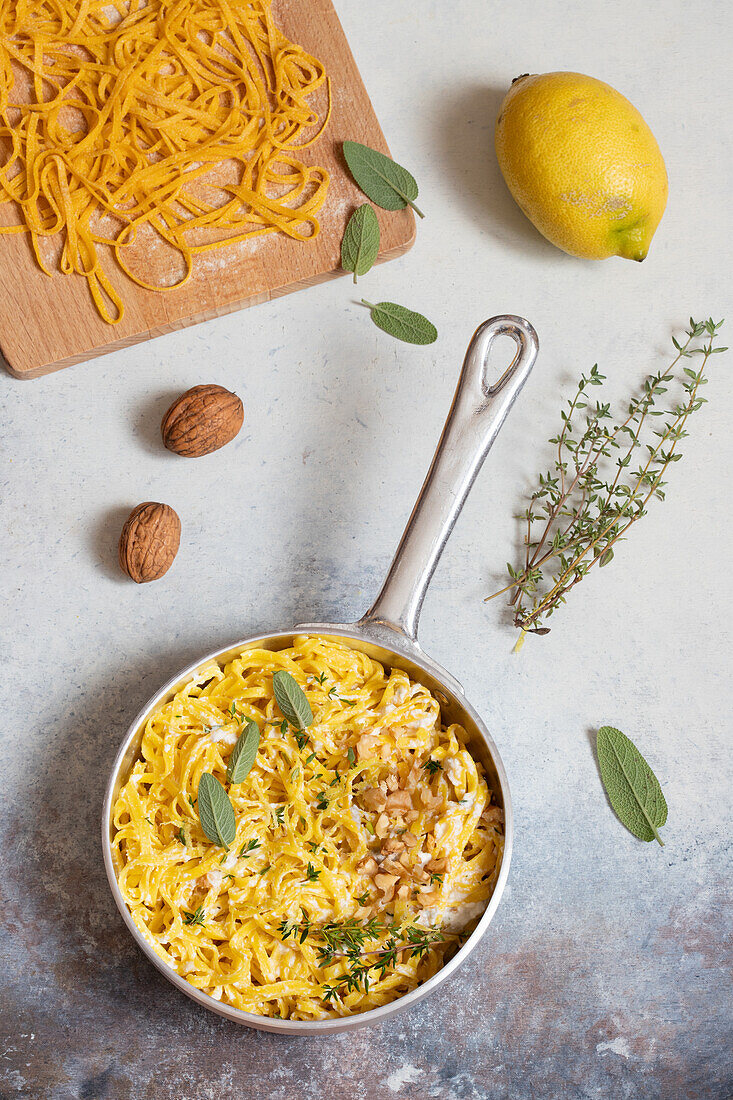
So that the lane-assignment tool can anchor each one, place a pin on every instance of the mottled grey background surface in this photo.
(606, 973)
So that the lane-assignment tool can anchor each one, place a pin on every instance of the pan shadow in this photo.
(332, 485)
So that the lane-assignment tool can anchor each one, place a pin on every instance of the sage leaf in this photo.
(216, 811)
(402, 323)
(243, 753)
(381, 179)
(632, 787)
(360, 246)
(291, 700)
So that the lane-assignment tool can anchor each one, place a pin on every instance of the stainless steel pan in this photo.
(388, 633)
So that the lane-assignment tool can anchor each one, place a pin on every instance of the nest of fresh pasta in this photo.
(156, 129)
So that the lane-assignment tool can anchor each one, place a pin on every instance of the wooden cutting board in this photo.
(50, 323)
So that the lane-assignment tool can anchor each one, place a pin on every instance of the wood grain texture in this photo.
(50, 323)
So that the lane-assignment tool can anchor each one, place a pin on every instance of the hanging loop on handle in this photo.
(476, 415)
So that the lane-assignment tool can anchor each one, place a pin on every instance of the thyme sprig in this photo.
(248, 847)
(333, 694)
(349, 940)
(587, 503)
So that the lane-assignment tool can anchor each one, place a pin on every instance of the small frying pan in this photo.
(388, 634)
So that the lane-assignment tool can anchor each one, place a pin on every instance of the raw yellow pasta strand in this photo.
(128, 105)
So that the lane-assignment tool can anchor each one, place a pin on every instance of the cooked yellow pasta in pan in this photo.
(302, 837)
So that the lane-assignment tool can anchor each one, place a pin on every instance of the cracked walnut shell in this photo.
(149, 541)
(202, 420)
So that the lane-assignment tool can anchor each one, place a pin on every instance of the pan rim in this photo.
(355, 632)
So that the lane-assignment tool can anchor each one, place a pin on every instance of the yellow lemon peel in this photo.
(582, 164)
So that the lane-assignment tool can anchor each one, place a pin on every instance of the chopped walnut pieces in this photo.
(392, 782)
(399, 800)
(393, 845)
(437, 866)
(409, 839)
(420, 875)
(429, 800)
(382, 826)
(412, 778)
(403, 891)
(200, 890)
(411, 815)
(428, 898)
(392, 867)
(404, 858)
(493, 815)
(368, 865)
(374, 799)
(385, 884)
(366, 745)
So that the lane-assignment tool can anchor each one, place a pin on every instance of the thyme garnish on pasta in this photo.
(348, 940)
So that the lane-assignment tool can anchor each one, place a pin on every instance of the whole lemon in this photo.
(582, 164)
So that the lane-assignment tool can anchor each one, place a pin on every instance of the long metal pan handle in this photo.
(476, 415)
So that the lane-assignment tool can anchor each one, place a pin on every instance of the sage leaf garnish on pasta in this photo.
(291, 700)
(216, 811)
(244, 753)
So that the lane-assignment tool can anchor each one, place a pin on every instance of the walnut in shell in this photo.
(149, 541)
(202, 420)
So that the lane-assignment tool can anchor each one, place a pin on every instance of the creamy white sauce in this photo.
(443, 827)
(458, 918)
(217, 735)
(453, 770)
(453, 920)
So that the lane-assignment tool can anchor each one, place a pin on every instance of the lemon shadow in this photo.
(465, 143)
